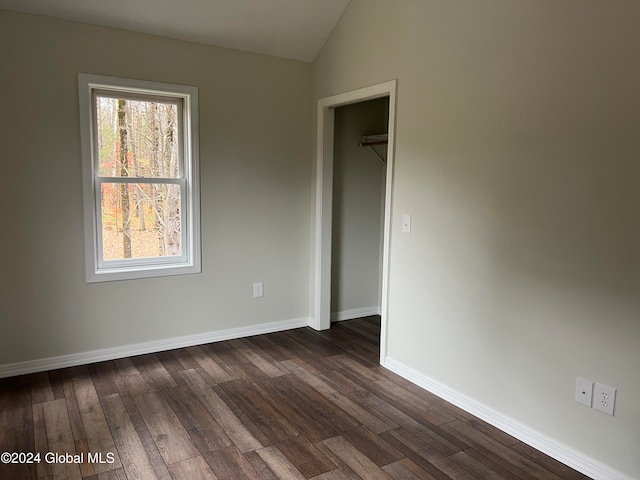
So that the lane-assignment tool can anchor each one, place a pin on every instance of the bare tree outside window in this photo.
(140, 171)
(139, 140)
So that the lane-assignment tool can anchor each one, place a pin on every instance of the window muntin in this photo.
(140, 169)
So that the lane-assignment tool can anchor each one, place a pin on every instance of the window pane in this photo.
(140, 220)
(137, 138)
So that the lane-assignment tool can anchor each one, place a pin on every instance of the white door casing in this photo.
(321, 294)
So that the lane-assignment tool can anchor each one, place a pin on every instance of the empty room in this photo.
(328, 239)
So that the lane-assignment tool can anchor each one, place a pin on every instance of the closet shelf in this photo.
(370, 140)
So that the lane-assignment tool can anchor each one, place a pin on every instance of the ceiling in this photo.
(295, 29)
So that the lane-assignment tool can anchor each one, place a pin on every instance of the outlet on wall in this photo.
(584, 391)
(258, 290)
(605, 399)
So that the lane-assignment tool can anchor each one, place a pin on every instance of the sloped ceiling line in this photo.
(293, 29)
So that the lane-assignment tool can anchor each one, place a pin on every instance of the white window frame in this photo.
(186, 97)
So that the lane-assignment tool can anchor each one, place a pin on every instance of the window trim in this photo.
(97, 270)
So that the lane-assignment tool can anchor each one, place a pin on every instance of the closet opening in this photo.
(354, 180)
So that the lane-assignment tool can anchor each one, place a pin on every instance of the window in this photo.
(140, 173)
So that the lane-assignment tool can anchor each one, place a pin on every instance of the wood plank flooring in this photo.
(299, 404)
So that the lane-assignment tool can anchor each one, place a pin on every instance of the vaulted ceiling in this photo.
(295, 29)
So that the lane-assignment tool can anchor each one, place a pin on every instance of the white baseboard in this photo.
(537, 440)
(74, 359)
(354, 313)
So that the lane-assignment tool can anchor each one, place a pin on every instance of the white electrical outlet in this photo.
(258, 290)
(584, 391)
(604, 399)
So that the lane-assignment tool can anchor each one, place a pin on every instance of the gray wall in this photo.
(357, 207)
(517, 155)
(255, 139)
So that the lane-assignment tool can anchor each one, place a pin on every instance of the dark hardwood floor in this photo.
(297, 404)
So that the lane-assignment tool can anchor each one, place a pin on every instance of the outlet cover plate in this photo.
(604, 399)
(584, 391)
(406, 223)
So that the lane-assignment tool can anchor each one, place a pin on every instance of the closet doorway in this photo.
(359, 170)
(350, 281)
